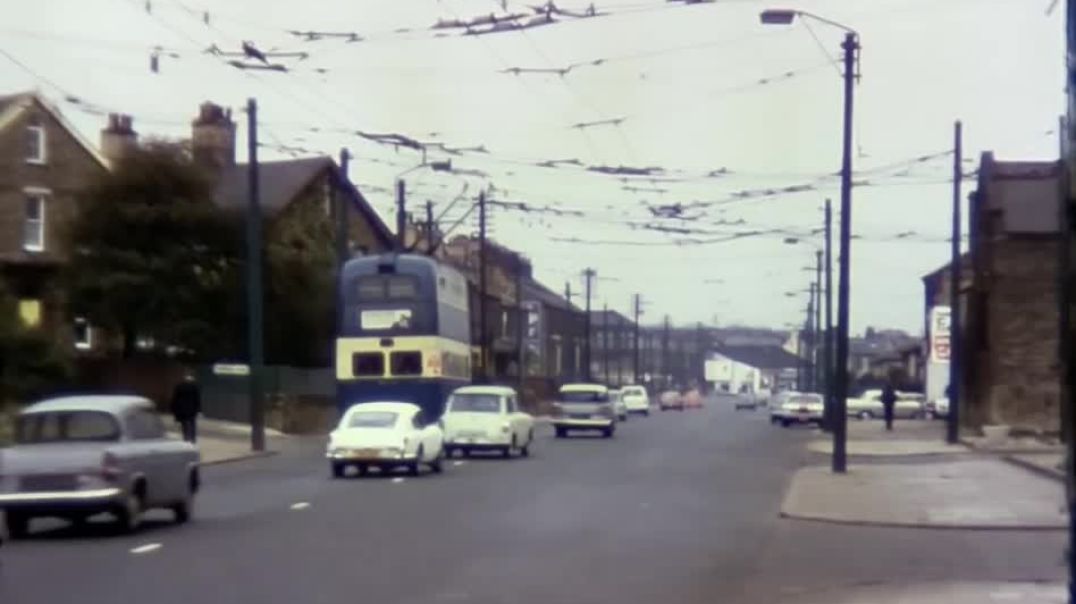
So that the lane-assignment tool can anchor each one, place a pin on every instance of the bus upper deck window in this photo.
(368, 364)
(406, 363)
(401, 288)
(378, 288)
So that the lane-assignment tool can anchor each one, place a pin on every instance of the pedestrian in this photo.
(889, 401)
(186, 405)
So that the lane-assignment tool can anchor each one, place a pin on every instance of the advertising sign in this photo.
(939, 334)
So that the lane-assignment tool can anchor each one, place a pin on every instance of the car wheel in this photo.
(608, 433)
(129, 514)
(337, 468)
(526, 450)
(865, 415)
(506, 452)
(362, 469)
(184, 508)
(561, 432)
(18, 525)
(785, 423)
(437, 465)
(412, 468)
(646, 413)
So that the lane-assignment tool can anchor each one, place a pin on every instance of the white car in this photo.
(486, 418)
(792, 407)
(387, 436)
(583, 407)
(636, 399)
(619, 407)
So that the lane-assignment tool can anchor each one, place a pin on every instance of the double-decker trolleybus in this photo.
(404, 333)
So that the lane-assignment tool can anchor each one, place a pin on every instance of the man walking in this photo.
(889, 401)
(186, 405)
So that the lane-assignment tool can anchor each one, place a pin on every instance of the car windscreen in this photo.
(584, 396)
(804, 400)
(372, 419)
(633, 391)
(61, 426)
(475, 403)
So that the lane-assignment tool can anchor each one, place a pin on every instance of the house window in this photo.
(35, 143)
(30, 312)
(33, 227)
(83, 334)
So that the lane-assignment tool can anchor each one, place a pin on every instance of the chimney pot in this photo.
(118, 138)
(213, 137)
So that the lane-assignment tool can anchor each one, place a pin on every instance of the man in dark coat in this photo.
(186, 405)
(889, 402)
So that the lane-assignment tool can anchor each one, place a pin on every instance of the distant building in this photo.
(760, 370)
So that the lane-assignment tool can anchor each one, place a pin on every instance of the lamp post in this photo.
(850, 46)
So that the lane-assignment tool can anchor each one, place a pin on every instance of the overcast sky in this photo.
(700, 88)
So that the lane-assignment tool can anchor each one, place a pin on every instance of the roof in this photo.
(584, 388)
(601, 318)
(495, 390)
(11, 106)
(761, 357)
(393, 406)
(279, 182)
(109, 403)
(534, 290)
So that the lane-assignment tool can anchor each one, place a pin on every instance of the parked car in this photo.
(692, 399)
(937, 408)
(387, 436)
(78, 456)
(745, 401)
(909, 405)
(619, 407)
(636, 399)
(671, 399)
(486, 418)
(583, 407)
(791, 407)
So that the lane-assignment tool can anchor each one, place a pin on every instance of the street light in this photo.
(840, 369)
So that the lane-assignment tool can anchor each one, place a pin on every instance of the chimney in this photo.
(213, 137)
(118, 138)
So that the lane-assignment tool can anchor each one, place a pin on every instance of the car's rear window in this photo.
(475, 403)
(804, 400)
(60, 426)
(632, 391)
(372, 419)
(584, 396)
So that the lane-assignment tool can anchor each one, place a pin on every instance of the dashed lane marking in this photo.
(145, 549)
(458, 463)
(302, 505)
(398, 480)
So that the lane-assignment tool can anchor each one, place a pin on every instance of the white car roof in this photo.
(584, 388)
(495, 390)
(116, 404)
(393, 406)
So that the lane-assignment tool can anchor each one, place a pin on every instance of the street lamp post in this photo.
(850, 46)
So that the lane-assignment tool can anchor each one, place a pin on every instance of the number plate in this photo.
(580, 416)
(365, 453)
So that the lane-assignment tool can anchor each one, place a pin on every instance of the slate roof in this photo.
(761, 357)
(533, 290)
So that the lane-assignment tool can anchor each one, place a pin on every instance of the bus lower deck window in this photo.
(368, 364)
(406, 363)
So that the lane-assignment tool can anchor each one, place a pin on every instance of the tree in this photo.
(152, 256)
(31, 363)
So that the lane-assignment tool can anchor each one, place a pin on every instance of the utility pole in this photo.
(827, 423)
(401, 215)
(811, 341)
(700, 357)
(483, 320)
(605, 343)
(588, 275)
(568, 291)
(952, 427)
(429, 227)
(618, 344)
(819, 336)
(635, 344)
(840, 391)
(255, 325)
(522, 320)
(665, 352)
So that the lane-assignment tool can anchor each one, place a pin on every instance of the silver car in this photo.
(78, 456)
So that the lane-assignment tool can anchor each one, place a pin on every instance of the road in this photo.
(678, 507)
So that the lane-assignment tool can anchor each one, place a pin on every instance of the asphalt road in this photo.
(678, 508)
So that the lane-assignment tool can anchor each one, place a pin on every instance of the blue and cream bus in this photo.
(404, 333)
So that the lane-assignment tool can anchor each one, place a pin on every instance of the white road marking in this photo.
(458, 463)
(147, 548)
(398, 480)
(302, 505)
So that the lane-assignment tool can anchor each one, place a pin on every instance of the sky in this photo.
(725, 111)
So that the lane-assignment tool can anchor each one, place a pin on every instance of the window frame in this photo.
(37, 129)
(132, 428)
(87, 342)
(41, 196)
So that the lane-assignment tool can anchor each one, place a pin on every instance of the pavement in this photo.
(909, 437)
(678, 507)
(223, 441)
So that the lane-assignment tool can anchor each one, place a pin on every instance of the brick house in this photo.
(1012, 367)
(44, 163)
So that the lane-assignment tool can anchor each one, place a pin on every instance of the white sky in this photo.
(686, 81)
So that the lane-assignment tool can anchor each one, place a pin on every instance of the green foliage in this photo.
(31, 363)
(154, 257)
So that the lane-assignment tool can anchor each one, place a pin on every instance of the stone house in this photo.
(1011, 359)
(44, 164)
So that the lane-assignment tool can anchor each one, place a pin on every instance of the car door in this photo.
(514, 418)
(147, 454)
(429, 434)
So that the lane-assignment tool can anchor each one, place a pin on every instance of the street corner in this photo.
(889, 448)
(934, 593)
(980, 494)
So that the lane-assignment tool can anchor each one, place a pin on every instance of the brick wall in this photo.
(1017, 370)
